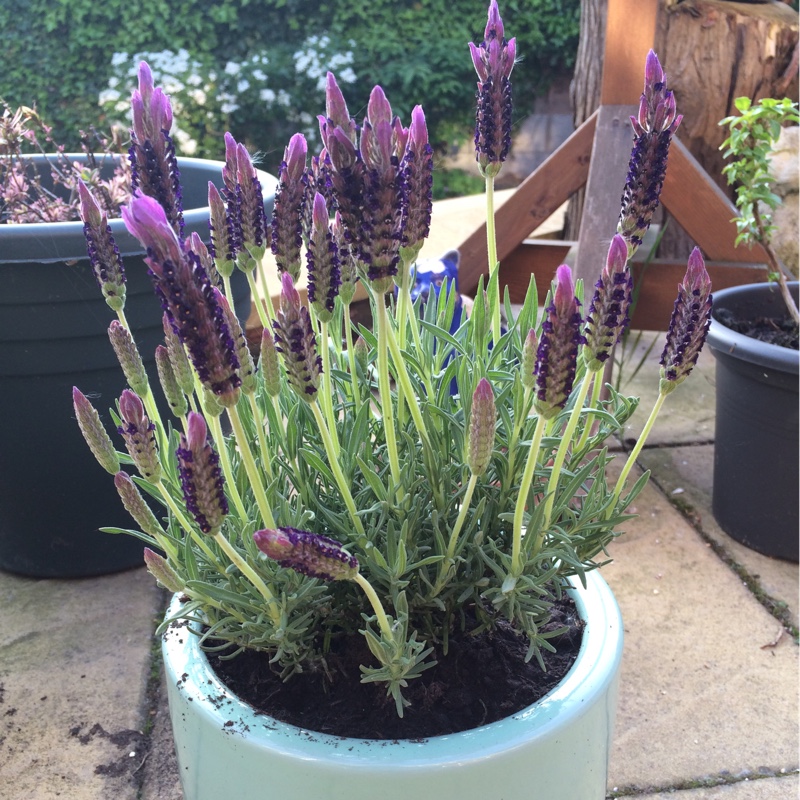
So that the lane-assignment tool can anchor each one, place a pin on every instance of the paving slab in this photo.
(685, 475)
(779, 788)
(704, 692)
(74, 664)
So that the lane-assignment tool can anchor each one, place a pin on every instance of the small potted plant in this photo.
(395, 547)
(54, 333)
(754, 337)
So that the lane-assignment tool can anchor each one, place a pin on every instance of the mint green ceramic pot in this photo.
(556, 749)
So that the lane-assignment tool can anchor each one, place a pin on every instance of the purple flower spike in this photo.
(608, 313)
(323, 263)
(383, 195)
(94, 433)
(348, 261)
(287, 215)
(417, 177)
(295, 341)
(336, 113)
(252, 219)
(308, 553)
(688, 328)
(653, 128)
(104, 255)
(482, 421)
(152, 153)
(493, 60)
(222, 236)
(247, 367)
(201, 476)
(187, 296)
(137, 431)
(558, 349)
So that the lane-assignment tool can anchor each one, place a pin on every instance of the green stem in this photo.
(261, 307)
(351, 356)
(327, 385)
(512, 446)
(634, 454)
(226, 286)
(258, 417)
(522, 498)
(251, 575)
(493, 287)
(376, 604)
(387, 411)
(597, 387)
(462, 515)
(564, 445)
(336, 469)
(251, 468)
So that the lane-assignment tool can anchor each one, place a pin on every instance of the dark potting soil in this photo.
(782, 331)
(482, 679)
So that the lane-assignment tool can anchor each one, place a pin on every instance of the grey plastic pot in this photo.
(53, 336)
(556, 749)
(755, 495)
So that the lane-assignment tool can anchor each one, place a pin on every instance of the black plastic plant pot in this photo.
(755, 495)
(54, 323)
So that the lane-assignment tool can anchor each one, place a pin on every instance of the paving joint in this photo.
(706, 782)
(775, 607)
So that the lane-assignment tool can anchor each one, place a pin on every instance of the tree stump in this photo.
(713, 51)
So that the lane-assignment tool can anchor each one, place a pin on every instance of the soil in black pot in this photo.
(781, 331)
(483, 678)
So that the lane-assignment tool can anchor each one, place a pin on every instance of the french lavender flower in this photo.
(188, 298)
(154, 165)
(295, 341)
(348, 262)
(688, 328)
(287, 215)
(608, 313)
(482, 422)
(493, 60)
(94, 433)
(197, 246)
(247, 367)
(308, 553)
(104, 256)
(176, 399)
(653, 128)
(201, 476)
(177, 357)
(159, 568)
(223, 240)
(135, 504)
(416, 171)
(138, 433)
(128, 356)
(557, 356)
(343, 163)
(268, 364)
(383, 192)
(251, 220)
(323, 263)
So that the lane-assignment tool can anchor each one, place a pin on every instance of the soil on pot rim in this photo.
(781, 331)
(482, 679)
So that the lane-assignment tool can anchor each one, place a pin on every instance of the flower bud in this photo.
(528, 360)
(128, 356)
(160, 569)
(169, 384)
(140, 441)
(483, 418)
(135, 504)
(94, 433)
(268, 364)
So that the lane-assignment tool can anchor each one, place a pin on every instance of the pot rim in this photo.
(594, 670)
(726, 342)
(50, 242)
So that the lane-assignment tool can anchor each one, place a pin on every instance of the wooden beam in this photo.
(630, 34)
(535, 199)
(702, 209)
(609, 165)
(539, 257)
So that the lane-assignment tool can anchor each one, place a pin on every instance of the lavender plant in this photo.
(382, 482)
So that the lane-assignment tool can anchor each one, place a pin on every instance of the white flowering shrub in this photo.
(258, 99)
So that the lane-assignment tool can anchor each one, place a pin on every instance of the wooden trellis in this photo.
(596, 156)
